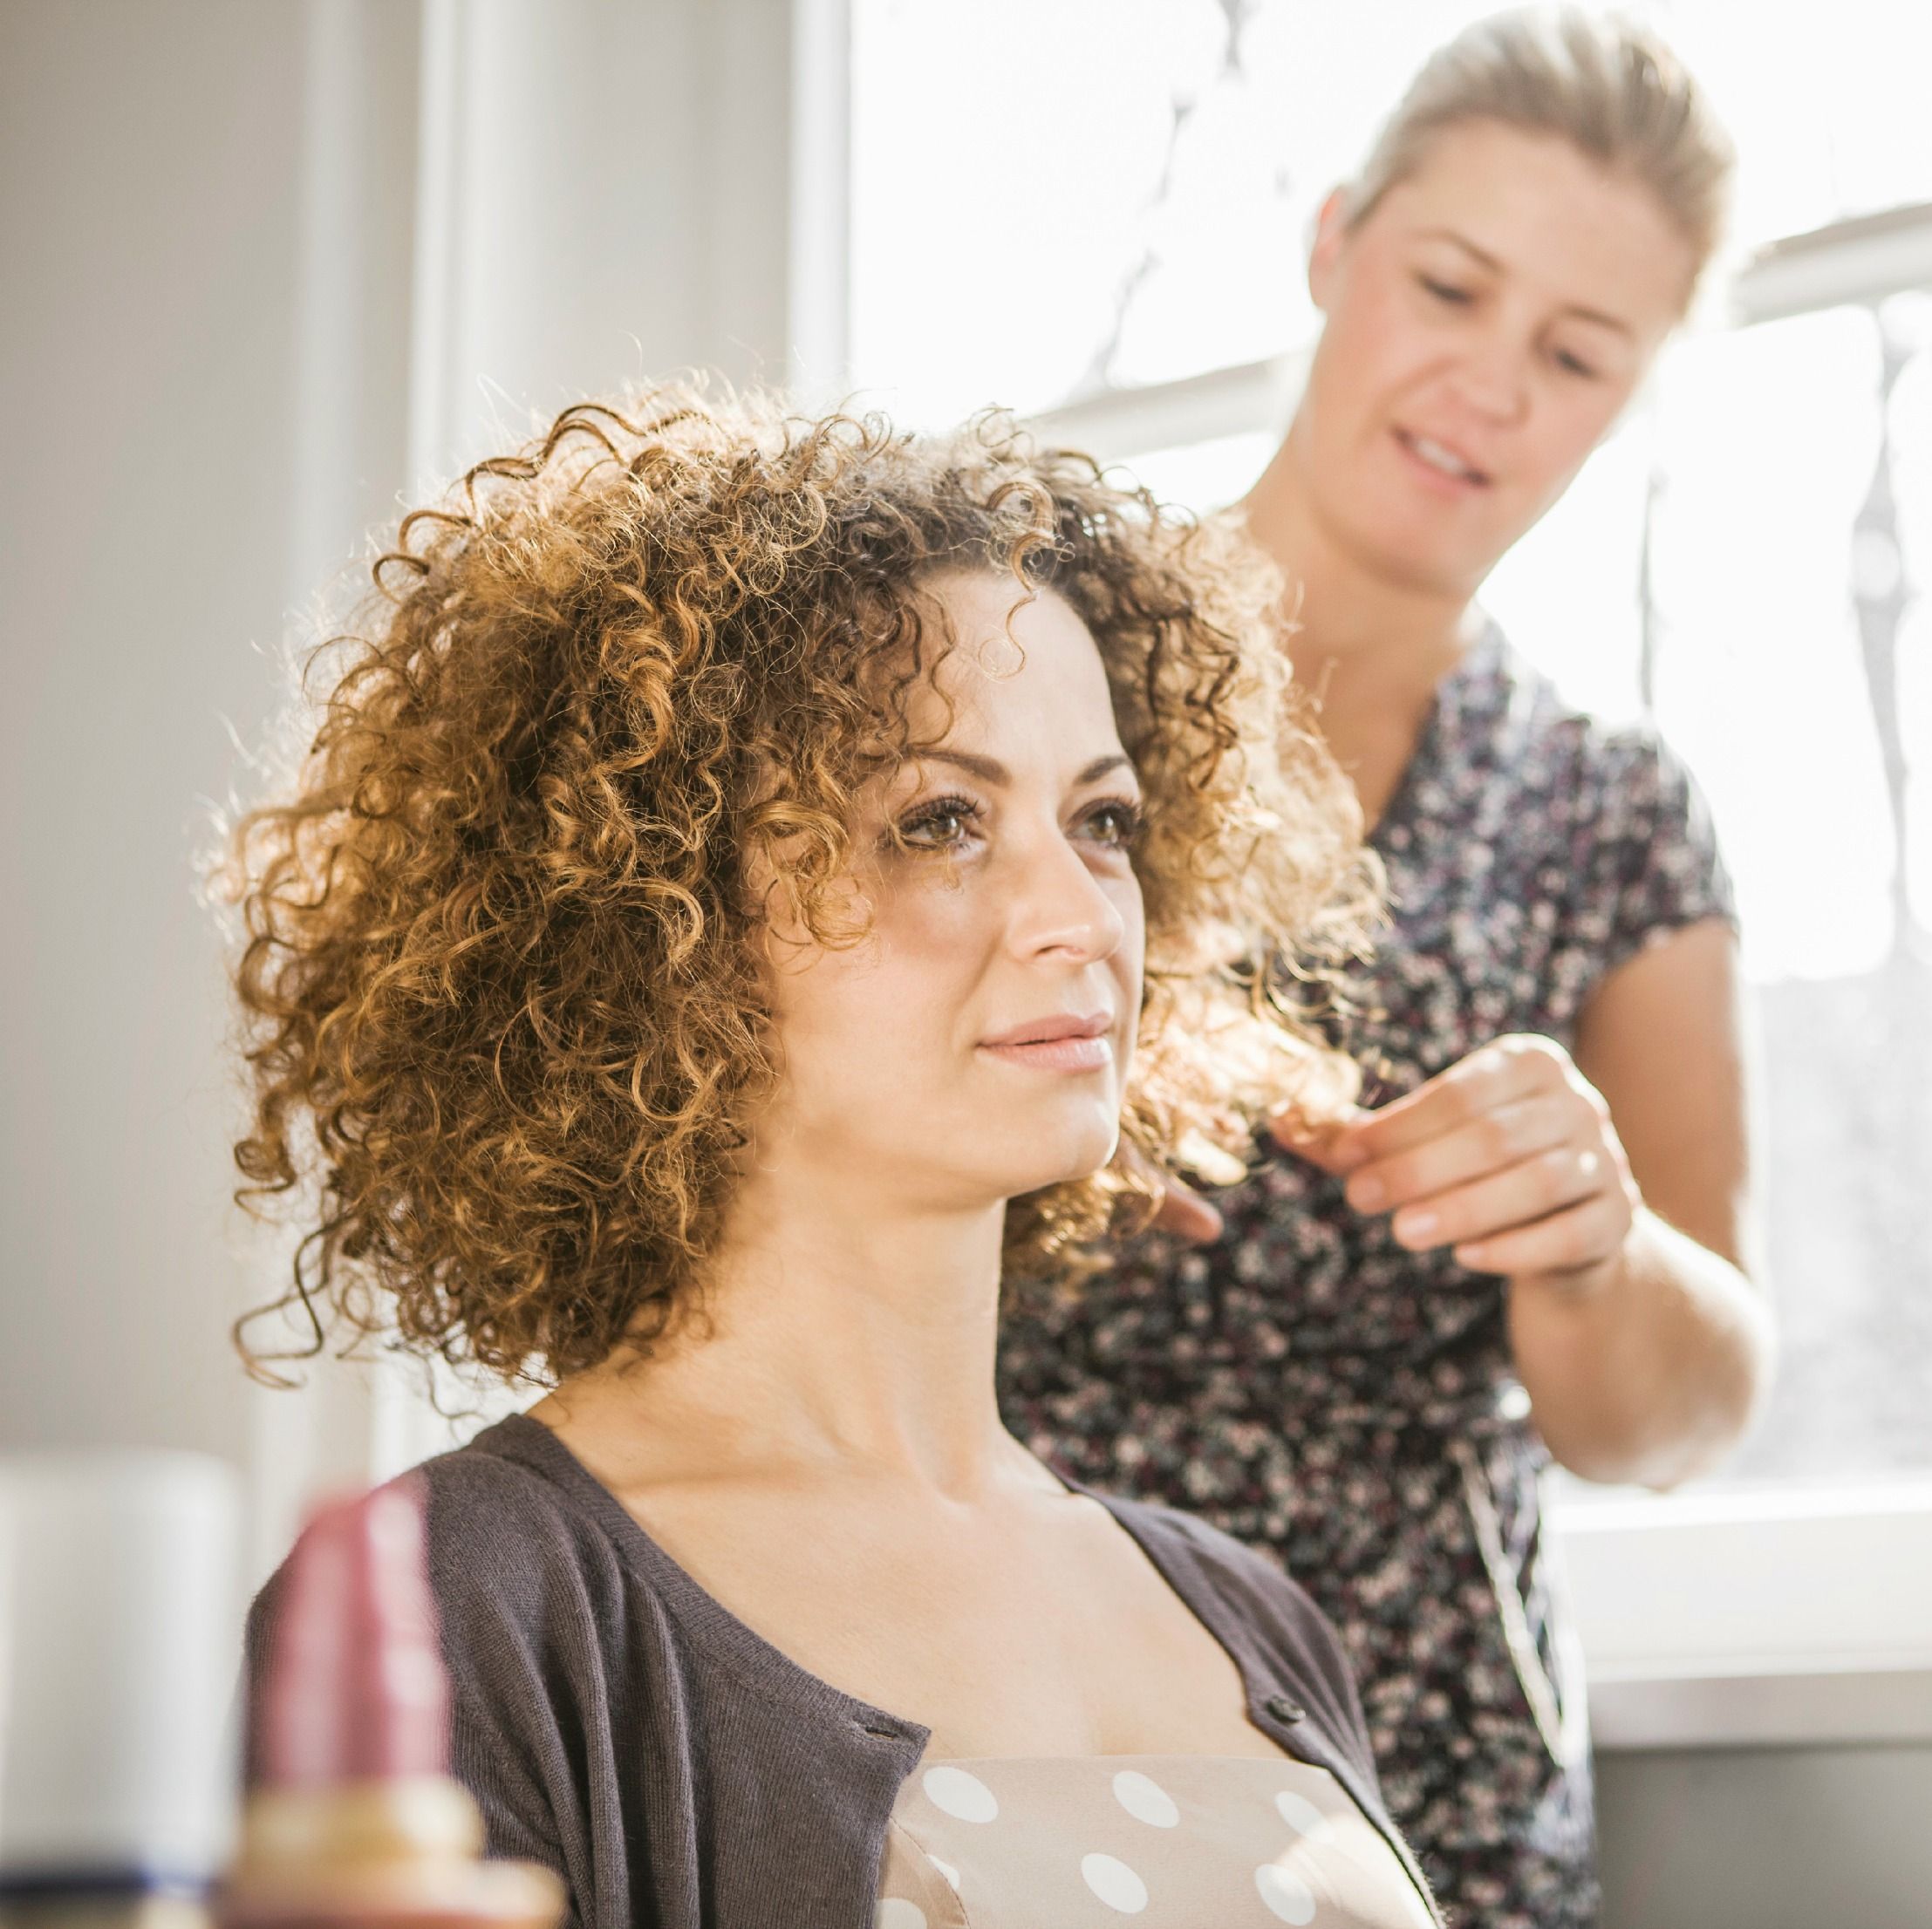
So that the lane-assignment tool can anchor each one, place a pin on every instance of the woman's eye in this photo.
(1574, 365)
(1444, 292)
(941, 825)
(1116, 824)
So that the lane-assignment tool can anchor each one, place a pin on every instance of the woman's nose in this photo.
(1493, 379)
(1061, 908)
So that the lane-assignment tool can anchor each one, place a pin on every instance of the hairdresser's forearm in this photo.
(1648, 1369)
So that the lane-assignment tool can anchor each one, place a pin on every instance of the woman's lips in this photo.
(1066, 1042)
(1058, 1054)
(1436, 464)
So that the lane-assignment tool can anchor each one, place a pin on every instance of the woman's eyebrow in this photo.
(1463, 242)
(990, 770)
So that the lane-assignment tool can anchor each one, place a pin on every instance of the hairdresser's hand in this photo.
(1184, 1213)
(1508, 1157)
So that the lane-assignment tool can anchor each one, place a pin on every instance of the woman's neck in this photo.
(1356, 629)
(836, 1336)
(1368, 649)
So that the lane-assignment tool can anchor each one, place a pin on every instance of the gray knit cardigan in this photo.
(619, 1725)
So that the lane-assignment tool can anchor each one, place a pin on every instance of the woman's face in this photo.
(1485, 323)
(974, 1046)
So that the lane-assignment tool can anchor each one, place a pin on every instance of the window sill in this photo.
(1864, 1703)
(1785, 1618)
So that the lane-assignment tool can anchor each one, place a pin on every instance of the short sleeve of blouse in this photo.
(1654, 865)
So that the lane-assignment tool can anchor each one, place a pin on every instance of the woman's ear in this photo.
(1331, 236)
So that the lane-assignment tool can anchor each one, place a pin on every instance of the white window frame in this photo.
(1776, 1615)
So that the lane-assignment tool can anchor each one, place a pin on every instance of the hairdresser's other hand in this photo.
(1509, 1158)
(1182, 1211)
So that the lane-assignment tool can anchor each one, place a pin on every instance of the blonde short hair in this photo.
(1608, 86)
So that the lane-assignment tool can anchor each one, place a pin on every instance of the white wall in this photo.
(266, 265)
(607, 200)
(150, 169)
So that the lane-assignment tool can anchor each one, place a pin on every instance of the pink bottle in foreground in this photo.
(355, 1818)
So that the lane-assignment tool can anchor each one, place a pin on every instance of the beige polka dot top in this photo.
(1165, 1841)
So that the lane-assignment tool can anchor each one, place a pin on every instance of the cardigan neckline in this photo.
(753, 1657)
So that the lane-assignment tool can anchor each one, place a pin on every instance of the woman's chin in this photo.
(1070, 1157)
(1428, 552)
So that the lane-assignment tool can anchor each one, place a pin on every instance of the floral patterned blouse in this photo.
(1350, 1407)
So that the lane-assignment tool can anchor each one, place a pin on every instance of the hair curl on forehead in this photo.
(501, 981)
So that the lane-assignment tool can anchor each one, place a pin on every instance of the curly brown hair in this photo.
(502, 985)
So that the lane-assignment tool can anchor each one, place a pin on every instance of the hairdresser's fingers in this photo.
(1178, 1208)
(1319, 1144)
(1566, 1175)
(1184, 1213)
(1570, 1244)
(1492, 1141)
(1520, 1067)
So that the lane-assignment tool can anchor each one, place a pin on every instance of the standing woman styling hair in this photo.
(1531, 1248)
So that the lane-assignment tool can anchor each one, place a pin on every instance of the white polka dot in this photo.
(1145, 1799)
(896, 1914)
(963, 1797)
(1114, 1883)
(1299, 1812)
(1286, 1896)
(946, 1870)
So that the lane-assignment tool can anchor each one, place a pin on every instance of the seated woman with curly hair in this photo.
(758, 888)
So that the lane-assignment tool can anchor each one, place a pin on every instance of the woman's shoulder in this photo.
(527, 1589)
(1622, 754)
(499, 1489)
(508, 1541)
(519, 1533)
